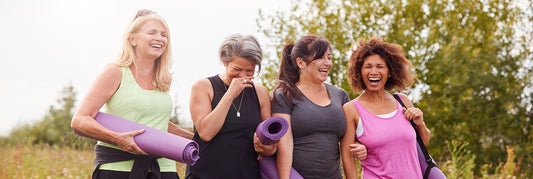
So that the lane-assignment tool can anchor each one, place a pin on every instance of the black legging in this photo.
(108, 174)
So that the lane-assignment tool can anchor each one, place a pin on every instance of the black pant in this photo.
(108, 174)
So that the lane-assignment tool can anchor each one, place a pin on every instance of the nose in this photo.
(243, 74)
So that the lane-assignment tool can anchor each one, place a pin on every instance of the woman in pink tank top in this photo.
(376, 119)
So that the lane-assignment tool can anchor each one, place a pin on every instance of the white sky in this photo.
(47, 44)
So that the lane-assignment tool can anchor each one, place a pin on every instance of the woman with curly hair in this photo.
(376, 118)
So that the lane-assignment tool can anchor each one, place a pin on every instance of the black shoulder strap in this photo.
(429, 161)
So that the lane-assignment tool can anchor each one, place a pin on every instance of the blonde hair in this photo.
(162, 77)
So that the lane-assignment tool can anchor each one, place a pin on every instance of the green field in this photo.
(24, 161)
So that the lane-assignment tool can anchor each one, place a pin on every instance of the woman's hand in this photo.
(358, 150)
(263, 149)
(414, 114)
(238, 84)
(127, 143)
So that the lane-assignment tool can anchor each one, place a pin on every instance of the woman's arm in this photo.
(348, 159)
(264, 101)
(176, 130)
(418, 117)
(105, 85)
(285, 147)
(206, 121)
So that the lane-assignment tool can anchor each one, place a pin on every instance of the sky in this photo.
(46, 45)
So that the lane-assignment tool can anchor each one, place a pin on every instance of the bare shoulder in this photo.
(262, 92)
(406, 100)
(202, 84)
(349, 109)
(112, 71)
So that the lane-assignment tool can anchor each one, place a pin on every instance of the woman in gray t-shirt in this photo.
(313, 109)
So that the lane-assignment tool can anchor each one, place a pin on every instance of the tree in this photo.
(473, 61)
(55, 128)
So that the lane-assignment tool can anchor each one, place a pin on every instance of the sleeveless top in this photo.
(230, 154)
(148, 107)
(316, 132)
(391, 145)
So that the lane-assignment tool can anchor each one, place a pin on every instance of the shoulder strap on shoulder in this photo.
(418, 138)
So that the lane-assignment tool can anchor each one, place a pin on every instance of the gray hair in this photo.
(245, 46)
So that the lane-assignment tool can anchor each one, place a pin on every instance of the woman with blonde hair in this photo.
(135, 87)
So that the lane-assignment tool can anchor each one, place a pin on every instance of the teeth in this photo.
(374, 79)
(322, 70)
(157, 46)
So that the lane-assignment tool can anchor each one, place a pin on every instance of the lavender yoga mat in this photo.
(272, 130)
(268, 132)
(435, 172)
(269, 170)
(152, 141)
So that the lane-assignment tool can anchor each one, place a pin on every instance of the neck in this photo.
(373, 96)
(307, 85)
(143, 66)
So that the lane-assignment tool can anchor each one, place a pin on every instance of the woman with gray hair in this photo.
(226, 109)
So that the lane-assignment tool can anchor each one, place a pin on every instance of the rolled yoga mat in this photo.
(435, 173)
(152, 141)
(268, 132)
(271, 130)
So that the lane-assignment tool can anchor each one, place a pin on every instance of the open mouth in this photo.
(324, 71)
(374, 80)
(156, 46)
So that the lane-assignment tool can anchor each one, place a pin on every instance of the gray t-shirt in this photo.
(316, 131)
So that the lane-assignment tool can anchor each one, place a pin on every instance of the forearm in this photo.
(348, 159)
(176, 130)
(88, 126)
(284, 157)
(424, 132)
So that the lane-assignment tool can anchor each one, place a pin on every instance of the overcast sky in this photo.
(44, 45)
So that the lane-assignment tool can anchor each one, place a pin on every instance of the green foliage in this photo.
(55, 128)
(461, 163)
(473, 62)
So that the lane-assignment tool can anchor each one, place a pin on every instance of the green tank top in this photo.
(149, 107)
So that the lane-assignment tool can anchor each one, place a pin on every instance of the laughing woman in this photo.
(134, 88)
(313, 109)
(226, 110)
(376, 119)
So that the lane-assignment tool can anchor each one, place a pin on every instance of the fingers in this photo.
(130, 145)
(359, 151)
(238, 84)
(412, 113)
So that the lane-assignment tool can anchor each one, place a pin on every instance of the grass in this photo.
(29, 161)
(26, 161)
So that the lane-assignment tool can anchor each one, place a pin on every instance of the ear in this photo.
(301, 63)
(132, 41)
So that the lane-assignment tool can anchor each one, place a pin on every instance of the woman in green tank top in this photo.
(135, 87)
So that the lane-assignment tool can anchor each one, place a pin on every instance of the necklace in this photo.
(238, 110)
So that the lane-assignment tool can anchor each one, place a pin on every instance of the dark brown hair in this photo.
(401, 77)
(308, 48)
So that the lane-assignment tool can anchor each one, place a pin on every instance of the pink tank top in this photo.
(391, 145)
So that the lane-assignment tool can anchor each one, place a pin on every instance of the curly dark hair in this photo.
(400, 69)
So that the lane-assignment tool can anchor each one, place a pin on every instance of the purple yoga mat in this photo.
(435, 172)
(272, 130)
(268, 169)
(268, 132)
(152, 141)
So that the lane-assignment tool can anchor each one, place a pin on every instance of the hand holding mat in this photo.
(268, 132)
(153, 141)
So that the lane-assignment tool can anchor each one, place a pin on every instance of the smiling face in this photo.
(374, 73)
(239, 67)
(151, 40)
(318, 69)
